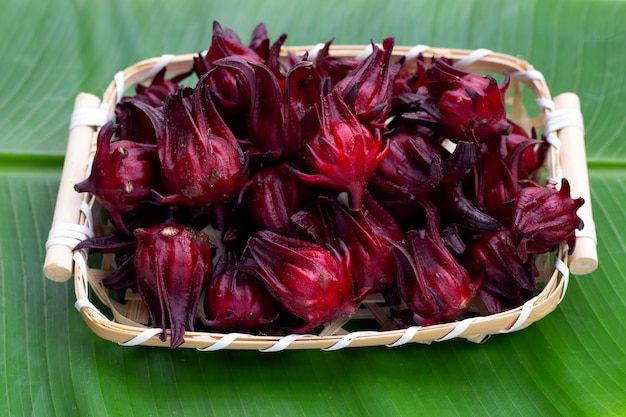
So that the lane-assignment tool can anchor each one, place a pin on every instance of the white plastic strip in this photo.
(284, 342)
(161, 63)
(80, 258)
(545, 103)
(89, 117)
(367, 51)
(120, 86)
(560, 118)
(460, 328)
(416, 51)
(531, 75)
(86, 210)
(553, 140)
(347, 339)
(142, 337)
(408, 334)
(68, 234)
(473, 57)
(564, 270)
(314, 52)
(588, 230)
(527, 308)
(223, 343)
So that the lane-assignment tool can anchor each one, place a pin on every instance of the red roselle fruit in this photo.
(373, 263)
(503, 279)
(122, 175)
(432, 283)
(202, 164)
(172, 263)
(543, 217)
(346, 154)
(470, 106)
(313, 282)
(236, 301)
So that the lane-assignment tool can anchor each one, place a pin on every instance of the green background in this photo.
(571, 363)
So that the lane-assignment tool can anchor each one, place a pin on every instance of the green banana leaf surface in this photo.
(570, 363)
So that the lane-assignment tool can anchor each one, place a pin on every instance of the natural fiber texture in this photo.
(128, 324)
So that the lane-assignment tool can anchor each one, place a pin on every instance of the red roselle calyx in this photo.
(236, 301)
(202, 164)
(172, 262)
(313, 282)
(432, 283)
(122, 175)
(543, 217)
(470, 106)
(346, 154)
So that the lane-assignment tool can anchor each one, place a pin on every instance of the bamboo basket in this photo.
(73, 220)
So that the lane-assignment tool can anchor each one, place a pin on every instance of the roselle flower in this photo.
(373, 263)
(235, 301)
(202, 165)
(122, 175)
(470, 106)
(139, 121)
(431, 281)
(524, 154)
(160, 87)
(412, 168)
(346, 153)
(172, 263)
(272, 196)
(334, 68)
(504, 280)
(369, 87)
(301, 100)
(543, 217)
(313, 282)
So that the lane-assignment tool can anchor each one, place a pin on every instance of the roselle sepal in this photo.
(155, 94)
(172, 263)
(368, 88)
(313, 282)
(202, 166)
(235, 301)
(504, 280)
(456, 208)
(123, 175)
(346, 153)
(139, 121)
(272, 196)
(469, 106)
(431, 281)
(543, 217)
(373, 263)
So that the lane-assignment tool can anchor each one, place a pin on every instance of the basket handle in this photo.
(58, 263)
(573, 161)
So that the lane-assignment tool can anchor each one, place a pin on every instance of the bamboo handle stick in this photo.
(58, 263)
(584, 260)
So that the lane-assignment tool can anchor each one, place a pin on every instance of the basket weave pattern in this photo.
(128, 324)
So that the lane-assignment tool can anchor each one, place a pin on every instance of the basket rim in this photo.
(475, 329)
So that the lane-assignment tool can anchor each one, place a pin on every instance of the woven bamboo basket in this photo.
(560, 118)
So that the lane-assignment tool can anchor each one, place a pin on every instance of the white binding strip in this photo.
(553, 140)
(473, 57)
(415, 51)
(564, 270)
(223, 343)
(527, 308)
(71, 234)
(89, 117)
(284, 342)
(314, 52)
(460, 328)
(560, 118)
(142, 337)
(347, 339)
(545, 103)
(531, 75)
(120, 86)
(161, 63)
(408, 334)
(80, 258)
(588, 230)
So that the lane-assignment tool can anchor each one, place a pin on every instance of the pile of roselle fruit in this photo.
(278, 192)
